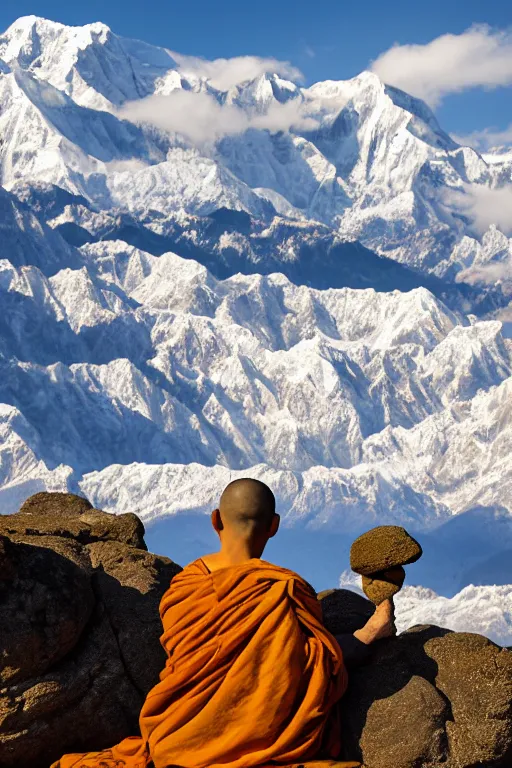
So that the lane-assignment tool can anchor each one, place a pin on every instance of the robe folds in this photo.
(251, 678)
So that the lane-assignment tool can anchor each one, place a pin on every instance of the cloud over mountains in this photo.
(202, 119)
(480, 56)
(225, 73)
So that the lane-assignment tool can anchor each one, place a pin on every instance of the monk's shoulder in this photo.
(292, 575)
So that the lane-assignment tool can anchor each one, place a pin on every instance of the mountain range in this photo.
(308, 285)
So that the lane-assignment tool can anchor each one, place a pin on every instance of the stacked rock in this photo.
(379, 556)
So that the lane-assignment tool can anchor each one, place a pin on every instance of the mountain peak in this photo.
(34, 37)
(369, 79)
(40, 23)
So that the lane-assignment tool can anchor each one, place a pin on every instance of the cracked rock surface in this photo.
(429, 698)
(79, 596)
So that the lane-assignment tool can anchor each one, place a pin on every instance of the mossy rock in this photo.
(382, 548)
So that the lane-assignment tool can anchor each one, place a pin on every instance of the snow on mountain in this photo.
(486, 610)
(22, 472)
(398, 489)
(90, 64)
(374, 165)
(365, 386)
(348, 398)
(26, 240)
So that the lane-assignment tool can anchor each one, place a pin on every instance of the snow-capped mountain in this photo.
(301, 287)
(366, 161)
(356, 406)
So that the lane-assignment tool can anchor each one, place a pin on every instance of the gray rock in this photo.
(420, 713)
(430, 698)
(69, 516)
(383, 585)
(44, 608)
(344, 611)
(475, 676)
(55, 504)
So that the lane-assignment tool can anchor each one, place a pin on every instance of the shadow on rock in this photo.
(429, 697)
(79, 598)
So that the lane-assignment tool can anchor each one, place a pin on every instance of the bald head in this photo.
(247, 506)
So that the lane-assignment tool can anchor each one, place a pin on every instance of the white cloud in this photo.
(225, 73)
(486, 139)
(505, 316)
(488, 274)
(479, 56)
(201, 119)
(126, 166)
(485, 206)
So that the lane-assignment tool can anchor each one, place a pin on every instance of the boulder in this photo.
(79, 639)
(68, 516)
(344, 610)
(381, 548)
(429, 698)
(383, 585)
(55, 504)
(79, 644)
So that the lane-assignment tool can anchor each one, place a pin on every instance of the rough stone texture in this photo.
(80, 644)
(79, 639)
(381, 548)
(68, 516)
(421, 713)
(384, 584)
(44, 608)
(7, 566)
(476, 677)
(344, 611)
(429, 698)
(55, 504)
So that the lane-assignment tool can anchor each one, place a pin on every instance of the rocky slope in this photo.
(79, 597)
(85, 649)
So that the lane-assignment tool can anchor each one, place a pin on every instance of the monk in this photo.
(252, 677)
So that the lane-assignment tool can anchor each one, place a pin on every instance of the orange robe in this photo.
(251, 676)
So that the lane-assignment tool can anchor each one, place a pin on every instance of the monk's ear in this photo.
(274, 525)
(217, 520)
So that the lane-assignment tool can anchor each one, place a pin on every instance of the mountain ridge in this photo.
(297, 285)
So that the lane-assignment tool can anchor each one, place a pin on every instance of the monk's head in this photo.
(247, 511)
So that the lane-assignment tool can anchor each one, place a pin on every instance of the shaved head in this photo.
(247, 506)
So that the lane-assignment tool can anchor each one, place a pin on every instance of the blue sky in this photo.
(332, 39)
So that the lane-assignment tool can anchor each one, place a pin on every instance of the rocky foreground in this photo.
(79, 597)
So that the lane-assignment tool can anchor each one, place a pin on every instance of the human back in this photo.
(252, 676)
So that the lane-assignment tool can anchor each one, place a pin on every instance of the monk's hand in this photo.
(380, 625)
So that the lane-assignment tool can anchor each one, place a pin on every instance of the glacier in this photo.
(312, 303)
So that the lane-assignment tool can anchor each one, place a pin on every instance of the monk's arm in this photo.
(356, 647)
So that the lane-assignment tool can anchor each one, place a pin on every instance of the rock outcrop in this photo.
(79, 620)
(79, 644)
(429, 698)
